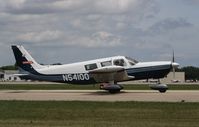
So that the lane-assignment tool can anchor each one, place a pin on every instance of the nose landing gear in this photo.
(162, 88)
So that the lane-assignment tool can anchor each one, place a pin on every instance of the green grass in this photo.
(98, 114)
(46, 87)
(184, 87)
(86, 87)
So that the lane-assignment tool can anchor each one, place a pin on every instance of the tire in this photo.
(114, 91)
(162, 91)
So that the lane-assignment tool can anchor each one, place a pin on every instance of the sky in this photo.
(67, 31)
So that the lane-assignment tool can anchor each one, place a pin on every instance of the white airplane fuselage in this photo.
(111, 69)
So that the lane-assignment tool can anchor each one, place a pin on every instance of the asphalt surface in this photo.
(93, 95)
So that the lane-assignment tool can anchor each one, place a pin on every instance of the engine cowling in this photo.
(162, 88)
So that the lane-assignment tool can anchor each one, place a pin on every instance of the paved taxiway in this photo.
(93, 95)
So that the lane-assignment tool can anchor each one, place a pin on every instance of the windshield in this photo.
(131, 61)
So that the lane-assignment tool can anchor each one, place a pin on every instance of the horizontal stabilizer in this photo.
(20, 75)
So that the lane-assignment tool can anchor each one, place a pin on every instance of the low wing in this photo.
(110, 73)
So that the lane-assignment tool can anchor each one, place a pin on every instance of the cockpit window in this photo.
(131, 61)
(119, 62)
(106, 63)
(91, 66)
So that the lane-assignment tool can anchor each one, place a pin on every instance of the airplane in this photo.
(105, 71)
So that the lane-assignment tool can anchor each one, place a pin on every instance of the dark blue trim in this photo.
(153, 72)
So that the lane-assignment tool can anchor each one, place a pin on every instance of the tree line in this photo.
(8, 67)
(191, 72)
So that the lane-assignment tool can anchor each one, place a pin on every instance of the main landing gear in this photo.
(111, 88)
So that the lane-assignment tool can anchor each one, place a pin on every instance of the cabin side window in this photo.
(90, 66)
(119, 62)
(106, 63)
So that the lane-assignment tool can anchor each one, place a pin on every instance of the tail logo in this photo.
(27, 62)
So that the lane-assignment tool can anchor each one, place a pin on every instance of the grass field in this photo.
(98, 114)
(86, 87)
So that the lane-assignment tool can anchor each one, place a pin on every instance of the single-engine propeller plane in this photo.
(106, 71)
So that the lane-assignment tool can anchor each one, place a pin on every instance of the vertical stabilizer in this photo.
(24, 60)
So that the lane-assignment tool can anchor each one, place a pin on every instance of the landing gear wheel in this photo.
(162, 91)
(162, 88)
(111, 88)
(114, 91)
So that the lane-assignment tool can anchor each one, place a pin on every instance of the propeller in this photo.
(174, 65)
(173, 68)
